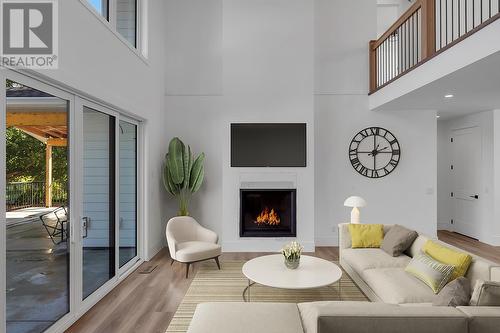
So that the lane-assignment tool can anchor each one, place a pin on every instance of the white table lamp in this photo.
(355, 202)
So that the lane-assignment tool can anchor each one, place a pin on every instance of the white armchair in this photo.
(189, 242)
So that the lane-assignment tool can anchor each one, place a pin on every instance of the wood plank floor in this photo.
(147, 302)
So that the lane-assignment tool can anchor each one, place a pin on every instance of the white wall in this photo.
(487, 225)
(408, 195)
(240, 61)
(496, 177)
(291, 61)
(94, 61)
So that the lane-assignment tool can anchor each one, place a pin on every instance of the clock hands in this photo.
(375, 151)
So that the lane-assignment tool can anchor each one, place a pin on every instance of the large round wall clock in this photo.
(374, 152)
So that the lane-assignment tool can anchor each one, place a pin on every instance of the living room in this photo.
(260, 166)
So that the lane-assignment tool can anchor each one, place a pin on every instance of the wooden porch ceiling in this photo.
(48, 127)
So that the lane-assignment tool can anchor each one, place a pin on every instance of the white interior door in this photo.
(466, 180)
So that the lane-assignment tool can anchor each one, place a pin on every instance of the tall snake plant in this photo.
(182, 173)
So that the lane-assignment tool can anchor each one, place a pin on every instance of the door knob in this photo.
(474, 196)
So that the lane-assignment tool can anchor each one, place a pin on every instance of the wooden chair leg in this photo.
(187, 269)
(217, 261)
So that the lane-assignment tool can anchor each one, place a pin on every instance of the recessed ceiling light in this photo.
(448, 96)
(437, 116)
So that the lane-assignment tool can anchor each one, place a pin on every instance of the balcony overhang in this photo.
(470, 70)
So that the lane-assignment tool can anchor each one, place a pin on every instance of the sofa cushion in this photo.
(363, 317)
(362, 259)
(397, 240)
(230, 317)
(482, 319)
(433, 273)
(486, 293)
(194, 251)
(416, 246)
(394, 285)
(456, 293)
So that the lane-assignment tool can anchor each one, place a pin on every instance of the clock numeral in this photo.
(374, 130)
(375, 174)
(353, 152)
(392, 142)
(393, 162)
(396, 152)
(364, 133)
(355, 162)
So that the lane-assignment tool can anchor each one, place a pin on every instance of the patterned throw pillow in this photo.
(433, 273)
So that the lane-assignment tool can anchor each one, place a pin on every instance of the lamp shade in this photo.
(355, 201)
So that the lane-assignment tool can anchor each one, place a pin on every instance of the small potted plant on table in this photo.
(292, 252)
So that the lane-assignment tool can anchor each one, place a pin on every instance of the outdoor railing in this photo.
(427, 28)
(32, 194)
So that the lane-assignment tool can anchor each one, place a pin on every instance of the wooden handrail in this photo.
(409, 13)
(421, 33)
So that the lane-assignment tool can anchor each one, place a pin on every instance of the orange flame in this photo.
(268, 217)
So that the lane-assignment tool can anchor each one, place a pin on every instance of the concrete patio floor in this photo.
(38, 276)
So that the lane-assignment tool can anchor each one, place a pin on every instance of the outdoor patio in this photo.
(37, 272)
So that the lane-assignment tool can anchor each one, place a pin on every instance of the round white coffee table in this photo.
(271, 271)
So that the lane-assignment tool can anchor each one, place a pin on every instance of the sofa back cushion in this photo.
(416, 246)
(363, 317)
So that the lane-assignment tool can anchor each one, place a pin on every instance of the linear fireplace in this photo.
(268, 213)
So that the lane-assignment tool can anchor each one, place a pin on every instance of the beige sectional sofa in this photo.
(400, 303)
(383, 279)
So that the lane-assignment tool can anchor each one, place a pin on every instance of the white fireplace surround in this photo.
(267, 178)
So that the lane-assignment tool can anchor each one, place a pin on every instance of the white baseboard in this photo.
(444, 225)
(152, 251)
(491, 240)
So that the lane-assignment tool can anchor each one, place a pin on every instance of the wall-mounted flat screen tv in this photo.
(268, 145)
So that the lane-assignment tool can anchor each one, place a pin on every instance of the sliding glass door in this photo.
(37, 193)
(128, 191)
(98, 222)
(69, 201)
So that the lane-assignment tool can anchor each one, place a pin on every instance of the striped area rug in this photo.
(227, 285)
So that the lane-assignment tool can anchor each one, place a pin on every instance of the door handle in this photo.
(85, 226)
(474, 196)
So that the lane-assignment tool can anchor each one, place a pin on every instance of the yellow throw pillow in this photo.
(449, 256)
(366, 235)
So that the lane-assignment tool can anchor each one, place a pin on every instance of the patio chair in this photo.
(55, 223)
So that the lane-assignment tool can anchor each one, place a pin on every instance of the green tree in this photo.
(26, 158)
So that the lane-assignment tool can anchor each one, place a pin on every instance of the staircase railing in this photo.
(426, 29)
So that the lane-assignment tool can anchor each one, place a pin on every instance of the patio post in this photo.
(48, 175)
